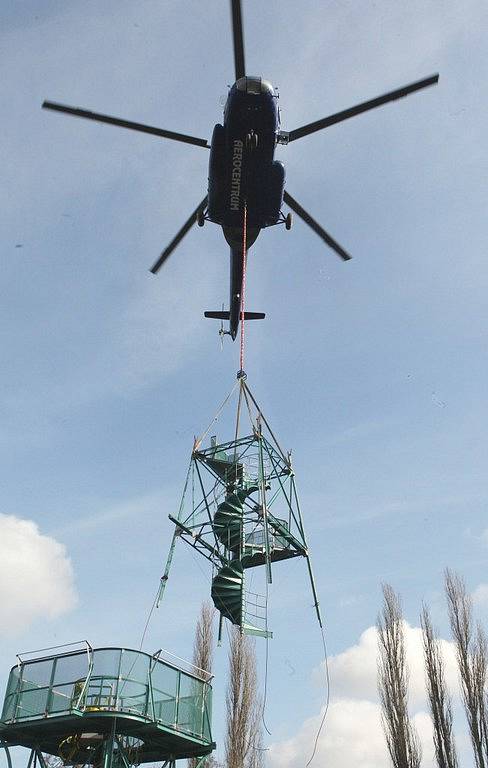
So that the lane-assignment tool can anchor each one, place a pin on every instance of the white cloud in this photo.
(423, 724)
(36, 577)
(353, 672)
(352, 736)
(480, 594)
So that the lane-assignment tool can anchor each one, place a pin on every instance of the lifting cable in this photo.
(154, 605)
(243, 286)
(265, 694)
(199, 440)
(327, 699)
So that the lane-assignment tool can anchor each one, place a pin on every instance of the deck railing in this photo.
(110, 679)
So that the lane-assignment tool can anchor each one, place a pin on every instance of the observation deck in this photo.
(71, 703)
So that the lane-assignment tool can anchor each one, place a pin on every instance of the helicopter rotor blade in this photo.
(365, 106)
(77, 112)
(292, 203)
(238, 36)
(179, 236)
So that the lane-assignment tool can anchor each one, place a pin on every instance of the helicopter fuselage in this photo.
(242, 168)
(243, 174)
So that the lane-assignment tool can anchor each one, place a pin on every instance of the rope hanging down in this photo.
(243, 287)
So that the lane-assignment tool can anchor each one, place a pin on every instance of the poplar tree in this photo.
(439, 699)
(401, 737)
(243, 743)
(203, 649)
(472, 657)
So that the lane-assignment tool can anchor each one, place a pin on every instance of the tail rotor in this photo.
(222, 332)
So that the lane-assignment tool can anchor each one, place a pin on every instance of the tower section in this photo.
(240, 510)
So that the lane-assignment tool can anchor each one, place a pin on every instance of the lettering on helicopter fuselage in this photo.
(235, 186)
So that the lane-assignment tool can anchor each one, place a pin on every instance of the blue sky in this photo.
(373, 371)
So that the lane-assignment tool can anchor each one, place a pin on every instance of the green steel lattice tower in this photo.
(240, 510)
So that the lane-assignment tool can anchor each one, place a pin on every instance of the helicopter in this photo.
(246, 185)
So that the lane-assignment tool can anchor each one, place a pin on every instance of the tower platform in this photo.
(72, 704)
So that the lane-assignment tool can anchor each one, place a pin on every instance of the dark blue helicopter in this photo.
(244, 178)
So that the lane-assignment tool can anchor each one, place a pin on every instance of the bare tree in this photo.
(480, 665)
(203, 645)
(439, 699)
(203, 648)
(244, 737)
(401, 738)
(472, 656)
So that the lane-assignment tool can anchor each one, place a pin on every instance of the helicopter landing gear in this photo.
(200, 218)
(251, 141)
(288, 221)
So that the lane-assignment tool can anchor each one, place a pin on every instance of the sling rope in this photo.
(243, 287)
(327, 699)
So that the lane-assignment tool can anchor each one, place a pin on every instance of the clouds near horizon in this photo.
(352, 735)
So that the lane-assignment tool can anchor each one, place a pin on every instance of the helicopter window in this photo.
(242, 84)
(266, 87)
(255, 85)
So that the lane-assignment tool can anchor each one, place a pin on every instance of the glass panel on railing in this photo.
(61, 698)
(164, 687)
(190, 705)
(8, 707)
(100, 693)
(106, 662)
(36, 674)
(13, 680)
(8, 711)
(207, 714)
(133, 691)
(101, 690)
(32, 703)
(69, 669)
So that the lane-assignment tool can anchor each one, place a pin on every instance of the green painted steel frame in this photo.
(197, 531)
(43, 707)
(110, 747)
(7, 753)
(281, 539)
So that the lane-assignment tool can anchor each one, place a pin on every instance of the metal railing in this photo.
(118, 680)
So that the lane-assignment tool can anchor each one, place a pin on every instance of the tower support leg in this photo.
(108, 748)
(40, 758)
(7, 753)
